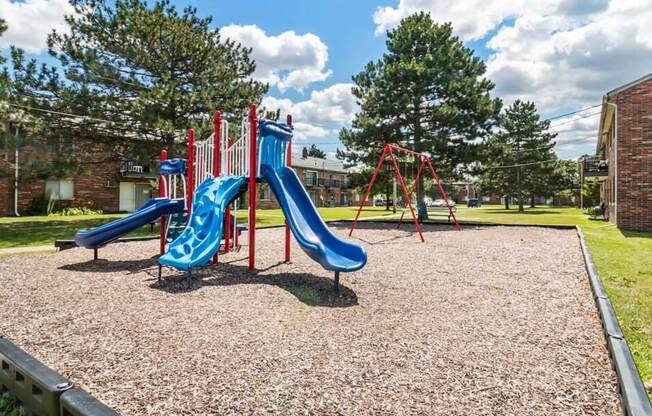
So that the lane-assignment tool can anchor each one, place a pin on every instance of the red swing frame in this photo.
(389, 150)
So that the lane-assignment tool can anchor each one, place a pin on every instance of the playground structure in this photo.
(226, 171)
(389, 151)
(217, 172)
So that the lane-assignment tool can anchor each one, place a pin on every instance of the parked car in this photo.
(473, 203)
(381, 201)
(442, 203)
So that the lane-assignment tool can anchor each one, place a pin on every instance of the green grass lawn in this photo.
(41, 231)
(623, 259)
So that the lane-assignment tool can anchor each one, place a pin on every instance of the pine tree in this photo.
(314, 151)
(135, 71)
(519, 160)
(426, 93)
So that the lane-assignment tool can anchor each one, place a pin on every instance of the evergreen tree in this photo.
(426, 93)
(519, 160)
(135, 71)
(314, 151)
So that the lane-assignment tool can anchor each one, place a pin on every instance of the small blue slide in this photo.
(201, 238)
(149, 212)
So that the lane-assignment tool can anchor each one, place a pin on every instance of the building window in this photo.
(311, 178)
(59, 189)
(133, 195)
(59, 144)
(264, 193)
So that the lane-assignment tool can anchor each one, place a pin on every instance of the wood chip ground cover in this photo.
(495, 320)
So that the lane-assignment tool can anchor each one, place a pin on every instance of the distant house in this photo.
(623, 160)
(324, 179)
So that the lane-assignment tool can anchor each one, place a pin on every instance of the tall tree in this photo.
(565, 181)
(427, 93)
(519, 160)
(136, 71)
(314, 151)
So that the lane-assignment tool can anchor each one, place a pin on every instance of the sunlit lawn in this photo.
(43, 230)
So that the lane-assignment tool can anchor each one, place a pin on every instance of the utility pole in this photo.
(16, 177)
(394, 193)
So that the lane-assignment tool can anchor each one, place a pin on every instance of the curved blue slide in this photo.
(149, 212)
(313, 235)
(201, 238)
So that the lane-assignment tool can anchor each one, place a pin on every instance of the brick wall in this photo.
(635, 157)
(97, 185)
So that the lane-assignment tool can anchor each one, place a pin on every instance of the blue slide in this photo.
(149, 212)
(313, 235)
(201, 238)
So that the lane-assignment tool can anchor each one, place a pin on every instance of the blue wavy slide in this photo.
(201, 238)
(149, 212)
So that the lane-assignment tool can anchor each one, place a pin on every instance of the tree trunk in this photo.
(421, 192)
(518, 190)
(394, 195)
(532, 204)
(506, 202)
(387, 196)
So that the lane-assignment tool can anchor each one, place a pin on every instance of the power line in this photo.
(521, 165)
(576, 119)
(573, 112)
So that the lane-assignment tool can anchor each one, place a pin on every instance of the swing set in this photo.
(392, 150)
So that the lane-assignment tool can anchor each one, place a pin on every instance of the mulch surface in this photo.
(487, 321)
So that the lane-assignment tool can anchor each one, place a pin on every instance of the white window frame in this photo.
(60, 196)
(265, 193)
(316, 182)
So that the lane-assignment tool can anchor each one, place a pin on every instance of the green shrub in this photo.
(75, 211)
(9, 407)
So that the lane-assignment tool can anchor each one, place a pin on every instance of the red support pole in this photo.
(227, 222)
(407, 197)
(288, 163)
(191, 170)
(253, 134)
(366, 194)
(443, 194)
(217, 128)
(162, 192)
(414, 186)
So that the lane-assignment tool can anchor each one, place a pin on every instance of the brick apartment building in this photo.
(105, 183)
(324, 179)
(623, 161)
(123, 184)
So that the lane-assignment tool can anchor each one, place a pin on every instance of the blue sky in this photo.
(562, 54)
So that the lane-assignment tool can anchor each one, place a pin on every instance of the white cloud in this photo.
(322, 115)
(287, 60)
(558, 61)
(472, 19)
(578, 134)
(561, 54)
(30, 22)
